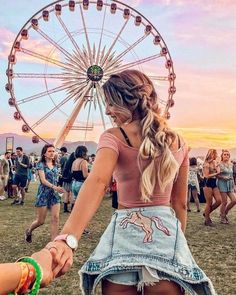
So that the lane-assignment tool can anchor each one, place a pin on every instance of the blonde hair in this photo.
(209, 156)
(132, 93)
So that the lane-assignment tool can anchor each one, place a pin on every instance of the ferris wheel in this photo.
(66, 51)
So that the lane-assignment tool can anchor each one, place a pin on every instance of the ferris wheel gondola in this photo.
(66, 51)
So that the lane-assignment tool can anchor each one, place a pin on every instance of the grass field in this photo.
(214, 248)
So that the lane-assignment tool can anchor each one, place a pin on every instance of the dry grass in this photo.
(213, 248)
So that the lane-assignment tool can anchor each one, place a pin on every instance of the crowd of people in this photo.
(216, 177)
(60, 178)
(145, 163)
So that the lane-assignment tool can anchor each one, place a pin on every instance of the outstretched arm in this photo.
(86, 205)
(179, 196)
(10, 273)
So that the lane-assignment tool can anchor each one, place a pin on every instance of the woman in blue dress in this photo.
(226, 186)
(48, 193)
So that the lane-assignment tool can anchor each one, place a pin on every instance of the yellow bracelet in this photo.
(24, 275)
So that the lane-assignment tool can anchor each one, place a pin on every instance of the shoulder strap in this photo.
(125, 136)
(179, 142)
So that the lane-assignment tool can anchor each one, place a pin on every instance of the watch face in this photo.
(72, 242)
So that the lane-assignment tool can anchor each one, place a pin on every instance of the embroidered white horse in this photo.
(145, 223)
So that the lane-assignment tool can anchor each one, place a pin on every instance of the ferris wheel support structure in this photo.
(70, 49)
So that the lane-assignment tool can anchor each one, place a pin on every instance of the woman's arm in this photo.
(86, 205)
(179, 196)
(84, 167)
(10, 273)
(91, 192)
(206, 172)
(45, 182)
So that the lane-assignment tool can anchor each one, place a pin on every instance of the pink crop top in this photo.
(127, 173)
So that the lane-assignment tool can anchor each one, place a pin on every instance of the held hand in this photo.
(44, 259)
(59, 189)
(62, 257)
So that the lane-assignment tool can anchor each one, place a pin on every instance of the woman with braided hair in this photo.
(143, 250)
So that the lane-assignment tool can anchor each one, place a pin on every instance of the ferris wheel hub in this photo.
(95, 73)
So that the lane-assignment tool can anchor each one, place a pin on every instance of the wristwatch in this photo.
(69, 239)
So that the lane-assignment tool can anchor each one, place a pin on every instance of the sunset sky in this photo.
(201, 37)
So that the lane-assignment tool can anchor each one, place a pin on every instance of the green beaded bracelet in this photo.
(38, 275)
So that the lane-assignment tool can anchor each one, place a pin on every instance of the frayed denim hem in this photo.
(89, 282)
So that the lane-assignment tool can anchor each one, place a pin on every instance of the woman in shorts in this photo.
(226, 186)
(211, 192)
(193, 184)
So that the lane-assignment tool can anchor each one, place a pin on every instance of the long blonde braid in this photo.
(133, 92)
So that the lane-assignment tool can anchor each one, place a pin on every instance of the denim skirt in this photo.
(142, 246)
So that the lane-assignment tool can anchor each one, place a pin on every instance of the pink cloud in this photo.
(204, 98)
(40, 46)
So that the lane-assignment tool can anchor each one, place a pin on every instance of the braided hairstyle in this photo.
(132, 95)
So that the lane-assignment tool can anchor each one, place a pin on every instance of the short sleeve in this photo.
(40, 166)
(108, 140)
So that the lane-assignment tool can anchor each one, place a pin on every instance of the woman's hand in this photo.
(44, 259)
(59, 189)
(62, 257)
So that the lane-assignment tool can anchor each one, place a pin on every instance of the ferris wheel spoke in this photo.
(78, 51)
(82, 65)
(99, 100)
(49, 76)
(89, 112)
(101, 35)
(50, 40)
(86, 36)
(77, 90)
(71, 119)
(41, 94)
(159, 78)
(161, 101)
(138, 62)
(68, 33)
(45, 58)
(52, 111)
(102, 62)
(118, 58)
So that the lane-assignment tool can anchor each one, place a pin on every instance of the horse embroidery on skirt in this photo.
(137, 218)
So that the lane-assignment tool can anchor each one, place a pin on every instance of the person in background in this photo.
(143, 249)
(114, 193)
(62, 163)
(80, 172)
(91, 160)
(48, 193)
(226, 186)
(29, 175)
(20, 177)
(11, 163)
(4, 175)
(79, 169)
(234, 172)
(67, 183)
(193, 184)
(210, 171)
